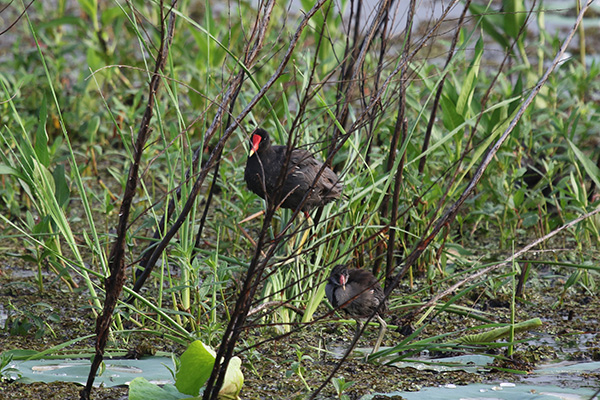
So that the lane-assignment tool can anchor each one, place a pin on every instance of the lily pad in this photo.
(117, 371)
(501, 391)
(141, 389)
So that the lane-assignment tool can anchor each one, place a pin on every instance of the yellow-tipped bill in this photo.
(255, 143)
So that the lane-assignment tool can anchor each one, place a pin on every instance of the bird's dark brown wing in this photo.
(302, 171)
(374, 293)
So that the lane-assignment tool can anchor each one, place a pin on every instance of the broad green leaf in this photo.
(141, 389)
(8, 170)
(234, 380)
(530, 219)
(589, 166)
(517, 92)
(90, 7)
(499, 333)
(94, 59)
(62, 191)
(196, 365)
(110, 15)
(514, 17)
(450, 117)
(63, 21)
(91, 128)
(313, 303)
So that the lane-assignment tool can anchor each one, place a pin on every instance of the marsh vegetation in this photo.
(467, 144)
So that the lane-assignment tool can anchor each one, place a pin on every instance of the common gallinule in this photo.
(358, 293)
(265, 163)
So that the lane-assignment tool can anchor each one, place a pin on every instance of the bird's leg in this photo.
(382, 329)
(359, 326)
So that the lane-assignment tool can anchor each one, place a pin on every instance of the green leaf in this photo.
(196, 365)
(514, 17)
(91, 128)
(517, 92)
(530, 219)
(141, 389)
(94, 59)
(8, 170)
(41, 136)
(450, 117)
(498, 333)
(589, 166)
(490, 21)
(518, 197)
(19, 354)
(44, 181)
(63, 21)
(234, 380)
(573, 278)
(111, 15)
(90, 7)
(468, 86)
(313, 303)
(62, 191)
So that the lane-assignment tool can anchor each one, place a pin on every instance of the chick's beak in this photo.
(343, 282)
(255, 142)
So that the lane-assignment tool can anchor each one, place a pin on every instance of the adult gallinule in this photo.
(358, 293)
(265, 163)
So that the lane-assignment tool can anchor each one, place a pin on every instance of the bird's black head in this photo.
(259, 140)
(339, 276)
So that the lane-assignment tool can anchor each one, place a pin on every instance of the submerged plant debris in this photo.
(569, 333)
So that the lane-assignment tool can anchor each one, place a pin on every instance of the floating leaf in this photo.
(141, 389)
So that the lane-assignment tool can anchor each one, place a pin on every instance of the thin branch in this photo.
(114, 282)
(18, 18)
(256, 268)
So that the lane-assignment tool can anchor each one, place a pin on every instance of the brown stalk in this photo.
(350, 76)
(400, 129)
(16, 19)
(256, 267)
(114, 282)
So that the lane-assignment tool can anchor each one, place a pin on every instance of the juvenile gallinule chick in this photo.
(358, 293)
(264, 166)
